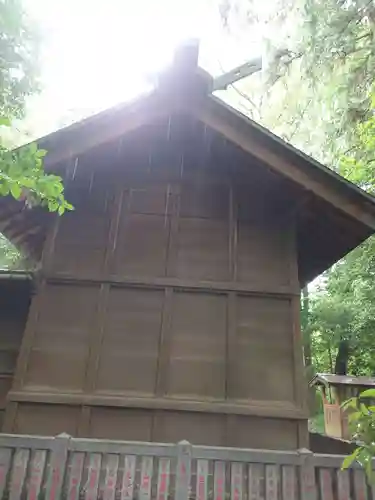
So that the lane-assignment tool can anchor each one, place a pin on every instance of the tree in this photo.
(361, 416)
(21, 172)
(320, 65)
(316, 92)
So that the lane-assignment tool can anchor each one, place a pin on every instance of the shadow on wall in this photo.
(15, 296)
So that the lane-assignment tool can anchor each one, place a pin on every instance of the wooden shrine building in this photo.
(166, 305)
(336, 389)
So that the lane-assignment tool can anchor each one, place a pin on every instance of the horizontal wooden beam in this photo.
(270, 409)
(185, 284)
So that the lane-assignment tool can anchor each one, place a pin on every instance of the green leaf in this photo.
(41, 153)
(15, 190)
(6, 122)
(369, 393)
(347, 462)
(61, 209)
(350, 403)
(352, 417)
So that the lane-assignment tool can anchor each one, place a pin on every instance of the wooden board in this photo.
(18, 476)
(128, 479)
(36, 474)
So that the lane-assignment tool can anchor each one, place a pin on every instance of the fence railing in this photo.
(36, 468)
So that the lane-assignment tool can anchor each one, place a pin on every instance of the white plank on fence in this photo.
(343, 485)
(307, 476)
(256, 482)
(163, 478)
(183, 472)
(5, 460)
(146, 478)
(36, 474)
(236, 481)
(56, 468)
(202, 479)
(325, 484)
(360, 486)
(110, 480)
(272, 482)
(219, 481)
(75, 476)
(127, 486)
(95, 460)
(18, 475)
(288, 482)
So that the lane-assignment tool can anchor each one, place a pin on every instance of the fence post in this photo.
(183, 471)
(56, 471)
(307, 475)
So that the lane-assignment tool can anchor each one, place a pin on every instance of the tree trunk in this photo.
(342, 358)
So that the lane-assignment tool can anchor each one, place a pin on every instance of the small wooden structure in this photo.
(167, 304)
(336, 389)
(64, 467)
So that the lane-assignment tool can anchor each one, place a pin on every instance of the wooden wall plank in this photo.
(161, 383)
(163, 479)
(202, 480)
(236, 481)
(127, 486)
(343, 484)
(272, 482)
(360, 486)
(36, 474)
(95, 461)
(256, 478)
(18, 476)
(5, 460)
(75, 475)
(110, 477)
(146, 478)
(325, 484)
(219, 481)
(289, 482)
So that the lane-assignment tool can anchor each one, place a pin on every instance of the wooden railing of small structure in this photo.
(35, 468)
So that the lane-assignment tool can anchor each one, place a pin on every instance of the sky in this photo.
(98, 53)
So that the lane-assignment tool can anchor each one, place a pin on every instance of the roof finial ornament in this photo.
(184, 75)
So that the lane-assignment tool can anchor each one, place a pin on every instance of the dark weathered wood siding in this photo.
(169, 303)
(15, 296)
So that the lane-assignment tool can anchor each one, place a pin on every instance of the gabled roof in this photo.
(328, 379)
(334, 218)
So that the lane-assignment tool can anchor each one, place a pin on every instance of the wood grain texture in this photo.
(163, 479)
(360, 486)
(128, 479)
(219, 481)
(110, 480)
(202, 480)
(36, 474)
(75, 476)
(93, 476)
(236, 481)
(56, 471)
(325, 484)
(5, 463)
(256, 478)
(18, 476)
(289, 482)
(146, 478)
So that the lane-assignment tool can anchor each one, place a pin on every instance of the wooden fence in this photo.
(35, 468)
